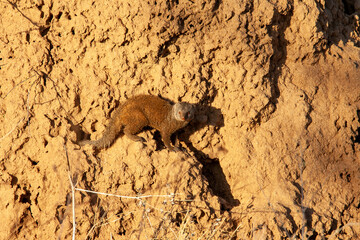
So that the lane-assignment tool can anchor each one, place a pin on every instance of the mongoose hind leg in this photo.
(133, 124)
(167, 141)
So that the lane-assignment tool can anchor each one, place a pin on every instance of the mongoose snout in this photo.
(145, 110)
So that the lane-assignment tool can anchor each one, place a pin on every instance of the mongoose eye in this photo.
(188, 116)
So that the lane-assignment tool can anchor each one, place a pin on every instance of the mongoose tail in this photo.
(108, 137)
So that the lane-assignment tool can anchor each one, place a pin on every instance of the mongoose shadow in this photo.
(212, 170)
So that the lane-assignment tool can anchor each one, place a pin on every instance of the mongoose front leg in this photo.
(177, 142)
(167, 141)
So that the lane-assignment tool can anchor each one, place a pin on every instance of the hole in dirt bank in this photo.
(34, 163)
(58, 16)
(14, 180)
(27, 37)
(25, 198)
(349, 6)
(178, 219)
(49, 19)
(44, 30)
(333, 226)
(356, 138)
(216, 5)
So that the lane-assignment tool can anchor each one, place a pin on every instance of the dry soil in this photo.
(274, 151)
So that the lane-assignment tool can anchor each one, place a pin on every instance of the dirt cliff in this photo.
(274, 151)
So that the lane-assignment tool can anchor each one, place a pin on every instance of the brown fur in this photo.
(141, 111)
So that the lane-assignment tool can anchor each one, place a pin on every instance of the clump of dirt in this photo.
(272, 154)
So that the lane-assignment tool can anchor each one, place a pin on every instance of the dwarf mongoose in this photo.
(145, 110)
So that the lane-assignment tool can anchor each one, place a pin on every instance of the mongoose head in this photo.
(183, 111)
